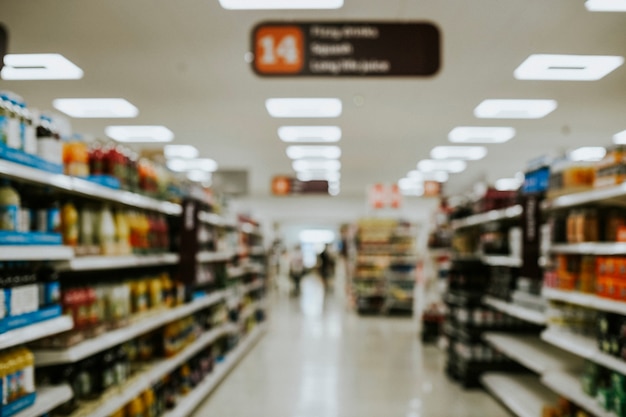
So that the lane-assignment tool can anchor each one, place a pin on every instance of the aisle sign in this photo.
(385, 196)
(284, 185)
(349, 49)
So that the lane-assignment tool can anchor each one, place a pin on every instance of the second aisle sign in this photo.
(346, 49)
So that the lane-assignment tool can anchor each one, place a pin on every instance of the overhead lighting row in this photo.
(180, 158)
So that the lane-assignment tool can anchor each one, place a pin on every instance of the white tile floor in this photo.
(320, 360)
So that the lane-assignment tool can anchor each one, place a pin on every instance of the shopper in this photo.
(296, 269)
(326, 265)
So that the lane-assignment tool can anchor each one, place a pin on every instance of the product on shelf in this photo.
(564, 408)
(17, 380)
(569, 318)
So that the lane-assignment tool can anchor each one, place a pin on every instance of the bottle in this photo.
(69, 224)
(28, 371)
(96, 159)
(49, 146)
(29, 137)
(135, 408)
(106, 231)
(4, 120)
(106, 371)
(12, 384)
(49, 288)
(9, 207)
(3, 379)
(122, 232)
(149, 403)
(13, 125)
(185, 379)
(87, 235)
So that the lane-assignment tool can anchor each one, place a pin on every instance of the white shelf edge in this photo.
(253, 286)
(568, 385)
(522, 394)
(146, 379)
(211, 219)
(48, 398)
(35, 331)
(590, 248)
(490, 216)
(36, 253)
(109, 339)
(585, 300)
(584, 197)
(501, 260)
(193, 400)
(222, 256)
(236, 272)
(93, 263)
(519, 312)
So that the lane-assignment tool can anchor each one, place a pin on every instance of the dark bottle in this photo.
(49, 287)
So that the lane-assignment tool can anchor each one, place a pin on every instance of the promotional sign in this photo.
(432, 189)
(371, 49)
(284, 185)
(385, 196)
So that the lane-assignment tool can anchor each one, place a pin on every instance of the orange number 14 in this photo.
(279, 50)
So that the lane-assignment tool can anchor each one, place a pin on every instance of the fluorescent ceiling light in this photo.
(477, 134)
(309, 133)
(450, 165)
(186, 165)
(415, 175)
(508, 184)
(587, 153)
(325, 152)
(39, 67)
(514, 109)
(319, 176)
(439, 176)
(567, 67)
(606, 5)
(303, 107)
(620, 138)
(180, 151)
(333, 191)
(410, 183)
(280, 4)
(199, 176)
(317, 236)
(316, 165)
(472, 153)
(139, 134)
(95, 107)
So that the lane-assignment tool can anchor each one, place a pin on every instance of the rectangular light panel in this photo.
(587, 153)
(280, 4)
(470, 153)
(180, 151)
(95, 107)
(620, 138)
(514, 109)
(39, 67)
(606, 5)
(508, 184)
(319, 175)
(311, 134)
(324, 152)
(567, 67)
(451, 165)
(304, 107)
(478, 134)
(316, 165)
(197, 164)
(139, 134)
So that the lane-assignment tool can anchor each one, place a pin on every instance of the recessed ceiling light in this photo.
(606, 5)
(325, 152)
(415, 175)
(477, 134)
(439, 176)
(620, 138)
(95, 107)
(303, 107)
(318, 175)
(280, 4)
(508, 184)
(316, 165)
(450, 165)
(199, 176)
(186, 165)
(472, 153)
(587, 153)
(139, 134)
(410, 187)
(309, 133)
(514, 109)
(180, 151)
(39, 67)
(567, 67)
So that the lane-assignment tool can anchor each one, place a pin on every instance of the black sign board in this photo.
(348, 49)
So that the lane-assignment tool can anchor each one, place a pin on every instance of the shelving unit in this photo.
(48, 398)
(490, 216)
(93, 263)
(190, 402)
(223, 256)
(216, 220)
(36, 252)
(253, 286)
(115, 337)
(567, 384)
(527, 314)
(502, 261)
(590, 248)
(601, 194)
(585, 300)
(35, 331)
(522, 394)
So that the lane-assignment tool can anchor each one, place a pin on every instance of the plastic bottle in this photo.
(49, 146)
(106, 232)
(9, 207)
(122, 232)
(29, 137)
(13, 125)
(149, 403)
(87, 235)
(69, 224)
(4, 120)
(3, 379)
(135, 408)
(12, 361)
(28, 371)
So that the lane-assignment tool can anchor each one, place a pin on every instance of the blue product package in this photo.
(54, 220)
(8, 217)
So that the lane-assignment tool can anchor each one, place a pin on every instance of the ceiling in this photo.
(182, 64)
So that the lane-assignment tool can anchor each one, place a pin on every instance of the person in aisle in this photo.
(326, 265)
(296, 269)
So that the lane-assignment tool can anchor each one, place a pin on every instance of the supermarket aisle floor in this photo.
(319, 360)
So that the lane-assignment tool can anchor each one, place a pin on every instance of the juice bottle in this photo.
(139, 293)
(185, 379)
(69, 224)
(156, 293)
(13, 137)
(96, 159)
(29, 138)
(167, 288)
(4, 120)
(106, 232)
(122, 231)
(9, 207)
(119, 413)
(12, 363)
(28, 361)
(3, 379)
(149, 403)
(87, 235)
(135, 408)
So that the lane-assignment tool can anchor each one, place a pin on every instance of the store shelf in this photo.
(109, 339)
(585, 300)
(48, 398)
(85, 188)
(522, 313)
(35, 331)
(255, 268)
(93, 263)
(222, 256)
(118, 397)
(253, 286)
(590, 248)
(211, 219)
(567, 384)
(532, 352)
(522, 394)
(190, 402)
(36, 253)
(250, 309)
(586, 197)
(502, 261)
(257, 251)
(490, 216)
(236, 272)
